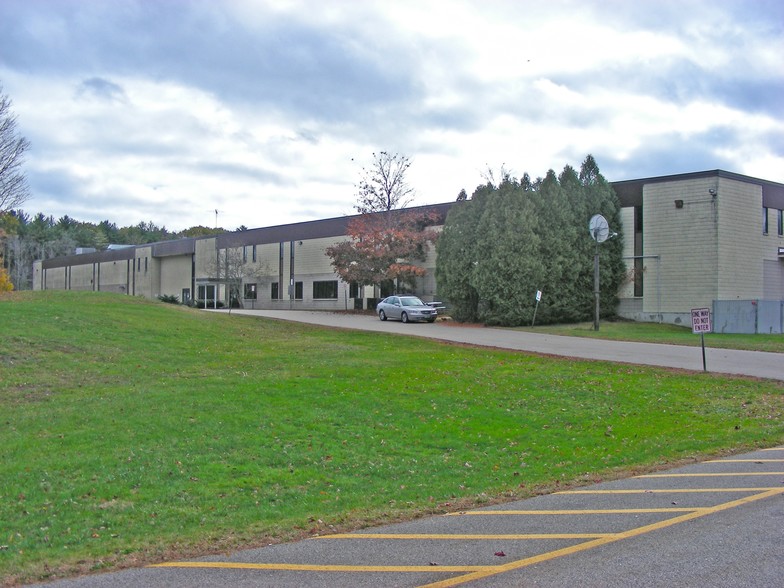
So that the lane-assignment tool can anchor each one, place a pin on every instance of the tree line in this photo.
(25, 238)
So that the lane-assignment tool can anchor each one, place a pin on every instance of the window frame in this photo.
(325, 290)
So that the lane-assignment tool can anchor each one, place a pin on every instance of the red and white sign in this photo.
(700, 320)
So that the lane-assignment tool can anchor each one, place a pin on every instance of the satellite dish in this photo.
(599, 228)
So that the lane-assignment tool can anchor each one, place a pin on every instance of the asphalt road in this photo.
(748, 363)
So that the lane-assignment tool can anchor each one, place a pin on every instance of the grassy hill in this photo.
(133, 431)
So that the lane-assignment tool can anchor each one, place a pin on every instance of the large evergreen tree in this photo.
(508, 241)
(457, 256)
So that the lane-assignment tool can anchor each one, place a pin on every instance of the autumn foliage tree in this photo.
(386, 246)
(5, 281)
(386, 243)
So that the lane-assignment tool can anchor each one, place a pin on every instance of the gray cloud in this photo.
(270, 113)
(101, 88)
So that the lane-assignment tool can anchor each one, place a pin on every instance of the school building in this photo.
(706, 239)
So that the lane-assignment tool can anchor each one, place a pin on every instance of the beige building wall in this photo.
(56, 279)
(206, 256)
(680, 222)
(145, 281)
(82, 277)
(114, 276)
(38, 274)
(175, 275)
(741, 245)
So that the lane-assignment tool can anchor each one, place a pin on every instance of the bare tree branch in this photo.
(13, 183)
(383, 187)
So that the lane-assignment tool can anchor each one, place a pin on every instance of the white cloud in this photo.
(268, 110)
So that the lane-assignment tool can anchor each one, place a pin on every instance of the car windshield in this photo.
(411, 302)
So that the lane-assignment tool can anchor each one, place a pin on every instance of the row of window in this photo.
(322, 290)
(779, 221)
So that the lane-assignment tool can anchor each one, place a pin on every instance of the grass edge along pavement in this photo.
(134, 431)
(667, 334)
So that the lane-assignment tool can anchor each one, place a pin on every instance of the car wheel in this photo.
(382, 315)
(431, 320)
(404, 317)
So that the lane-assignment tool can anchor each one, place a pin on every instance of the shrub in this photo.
(169, 298)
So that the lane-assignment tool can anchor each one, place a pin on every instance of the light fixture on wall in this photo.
(679, 204)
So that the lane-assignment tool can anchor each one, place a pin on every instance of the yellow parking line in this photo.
(602, 541)
(571, 511)
(448, 536)
(228, 565)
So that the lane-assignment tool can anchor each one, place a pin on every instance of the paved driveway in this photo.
(749, 363)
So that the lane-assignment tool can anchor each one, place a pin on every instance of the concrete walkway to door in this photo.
(727, 361)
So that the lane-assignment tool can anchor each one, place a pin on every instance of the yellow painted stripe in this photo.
(711, 475)
(602, 541)
(773, 449)
(440, 536)
(667, 491)
(228, 565)
(570, 511)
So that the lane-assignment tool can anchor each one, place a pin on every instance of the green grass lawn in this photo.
(663, 333)
(132, 431)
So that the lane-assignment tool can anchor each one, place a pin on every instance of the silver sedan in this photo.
(405, 308)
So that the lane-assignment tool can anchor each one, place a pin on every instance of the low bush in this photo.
(169, 298)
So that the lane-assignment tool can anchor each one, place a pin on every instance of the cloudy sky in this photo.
(267, 110)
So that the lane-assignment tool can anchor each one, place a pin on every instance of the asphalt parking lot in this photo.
(716, 523)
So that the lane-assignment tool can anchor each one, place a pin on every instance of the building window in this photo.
(206, 293)
(326, 289)
(186, 295)
(139, 264)
(764, 220)
(780, 223)
(297, 290)
(250, 292)
(353, 290)
(254, 254)
(244, 254)
(274, 291)
(145, 265)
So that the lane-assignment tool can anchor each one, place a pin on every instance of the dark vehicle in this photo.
(406, 308)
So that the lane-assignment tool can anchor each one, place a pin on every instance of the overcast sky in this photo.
(266, 110)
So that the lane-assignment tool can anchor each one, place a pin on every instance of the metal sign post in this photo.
(538, 299)
(701, 324)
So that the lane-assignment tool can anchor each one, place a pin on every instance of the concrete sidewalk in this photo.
(727, 361)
